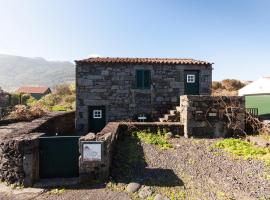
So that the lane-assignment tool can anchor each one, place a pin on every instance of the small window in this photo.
(97, 114)
(143, 79)
(190, 78)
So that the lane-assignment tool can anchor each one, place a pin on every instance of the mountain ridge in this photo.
(16, 71)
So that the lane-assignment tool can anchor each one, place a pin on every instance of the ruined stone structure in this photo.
(120, 89)
(212, 116)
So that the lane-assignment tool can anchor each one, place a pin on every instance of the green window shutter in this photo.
(147, 79)
(143, 79)
(139, 79)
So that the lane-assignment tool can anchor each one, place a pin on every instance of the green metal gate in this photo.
(59, 157)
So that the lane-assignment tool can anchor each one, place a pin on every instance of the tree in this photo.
(232, 84)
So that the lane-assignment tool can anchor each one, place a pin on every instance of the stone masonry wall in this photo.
(113, 85)
(205, 116)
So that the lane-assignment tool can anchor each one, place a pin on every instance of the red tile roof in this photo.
(184, 61)
(32, 89)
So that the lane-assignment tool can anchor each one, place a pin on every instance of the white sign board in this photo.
(212, 114)
(92, 152)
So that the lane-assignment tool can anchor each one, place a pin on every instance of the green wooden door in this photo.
(192, 85)
(59, 157)
(97, 118)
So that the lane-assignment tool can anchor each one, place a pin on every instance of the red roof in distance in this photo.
(32, 89)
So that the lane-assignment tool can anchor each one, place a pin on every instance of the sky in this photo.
(233, 34)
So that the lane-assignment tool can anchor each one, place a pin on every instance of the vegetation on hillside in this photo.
(26, 107)
(61, 99)
(226, 87)
(33, 71)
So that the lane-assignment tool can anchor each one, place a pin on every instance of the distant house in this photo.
(35, 91)
(257, 95)
(117, 89)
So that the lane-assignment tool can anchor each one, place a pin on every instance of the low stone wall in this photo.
(100, 170)
(63, 123)
(19, 147)
(207, 116)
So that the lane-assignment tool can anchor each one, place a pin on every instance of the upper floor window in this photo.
(143, 79)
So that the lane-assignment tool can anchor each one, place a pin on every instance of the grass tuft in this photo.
(244, 149)
(159, 139)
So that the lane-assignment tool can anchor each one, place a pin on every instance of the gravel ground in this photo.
(201, 173)
(67, 194)
(190, 167)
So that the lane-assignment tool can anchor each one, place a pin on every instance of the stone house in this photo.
(121, 89)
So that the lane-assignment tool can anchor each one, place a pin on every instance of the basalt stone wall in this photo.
(100, 170)
(63, 123)
(113, 86)
(19, 159)
(19, 146)
(206, 116)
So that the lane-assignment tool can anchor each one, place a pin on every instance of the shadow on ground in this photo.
(129, 165)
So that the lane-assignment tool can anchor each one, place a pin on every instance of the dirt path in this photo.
(66, 194)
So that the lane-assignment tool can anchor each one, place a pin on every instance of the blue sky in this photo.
(234, 34)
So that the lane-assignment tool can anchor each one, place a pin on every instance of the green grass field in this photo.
(262, 102)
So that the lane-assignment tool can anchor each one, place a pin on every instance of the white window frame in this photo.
(191, 78)
(97, 114)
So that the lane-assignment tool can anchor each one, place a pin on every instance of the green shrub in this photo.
(31, 101)
(69, 99)
(244, 149)
(59, 108)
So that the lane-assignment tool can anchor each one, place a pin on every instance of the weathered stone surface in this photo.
(145, 192)
(133, 187)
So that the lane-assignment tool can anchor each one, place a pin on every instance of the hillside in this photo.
(16, 71)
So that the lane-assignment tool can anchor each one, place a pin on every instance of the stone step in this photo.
(178, 108)
(173, 112)
(169, 117)
(162, 120)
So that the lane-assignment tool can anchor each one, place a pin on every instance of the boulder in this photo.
(133, 187)
(169, 135)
